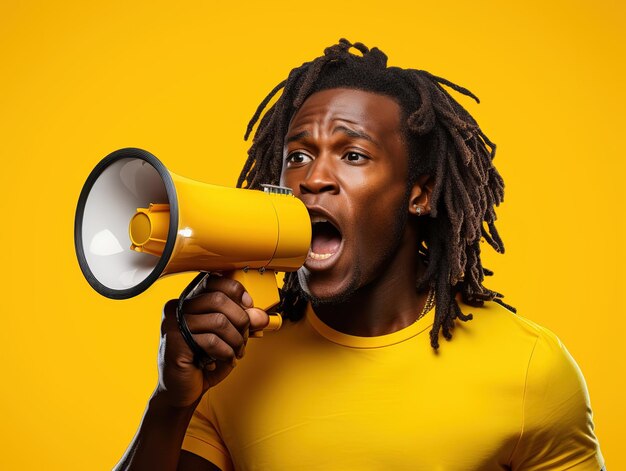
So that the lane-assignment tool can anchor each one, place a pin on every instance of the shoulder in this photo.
(548, 361)
(548, 367)
(498, 335)
(557, 420)
(555, 386)
(495, 318)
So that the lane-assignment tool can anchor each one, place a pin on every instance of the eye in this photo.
(356, 157)
(296, 159)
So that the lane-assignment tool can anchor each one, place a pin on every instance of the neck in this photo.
(387, 304)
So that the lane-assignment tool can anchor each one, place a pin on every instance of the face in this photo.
(345, 158)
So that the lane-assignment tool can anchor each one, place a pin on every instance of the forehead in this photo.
(371, 111)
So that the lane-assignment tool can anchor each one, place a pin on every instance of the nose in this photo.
(319, 178)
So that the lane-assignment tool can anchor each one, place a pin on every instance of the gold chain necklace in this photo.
(428, 305)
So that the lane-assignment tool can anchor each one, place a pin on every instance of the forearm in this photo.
(156, 445)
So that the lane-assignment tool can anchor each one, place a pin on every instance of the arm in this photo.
(219, 320)
(162, 429)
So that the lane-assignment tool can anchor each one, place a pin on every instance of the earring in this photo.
(418, 209)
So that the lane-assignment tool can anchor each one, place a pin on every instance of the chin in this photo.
(327, 292)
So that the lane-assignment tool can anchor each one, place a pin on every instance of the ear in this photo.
(419, 199)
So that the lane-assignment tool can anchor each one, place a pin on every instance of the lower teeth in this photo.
(319, 256)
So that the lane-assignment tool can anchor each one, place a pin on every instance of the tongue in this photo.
(325, 239)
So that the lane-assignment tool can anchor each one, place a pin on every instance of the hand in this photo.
(220, 316)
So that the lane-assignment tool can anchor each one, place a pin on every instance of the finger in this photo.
(218, 301)
(231, 288)
(258, 318)
(217, 323)
(168, 318)
(215, 347)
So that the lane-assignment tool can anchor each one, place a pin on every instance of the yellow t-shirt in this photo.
(503, 394)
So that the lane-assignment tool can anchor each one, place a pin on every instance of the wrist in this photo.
(161, 409)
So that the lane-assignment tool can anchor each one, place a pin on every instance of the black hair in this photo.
(444, 142)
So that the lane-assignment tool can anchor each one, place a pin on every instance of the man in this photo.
(399, 182)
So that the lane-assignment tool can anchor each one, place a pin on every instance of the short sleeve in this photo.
(203, 438)
(557, 431)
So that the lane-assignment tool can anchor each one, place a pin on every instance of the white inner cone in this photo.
(123, 186)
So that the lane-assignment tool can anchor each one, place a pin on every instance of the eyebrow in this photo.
(353, 133)
(297, 137)
(349, 132)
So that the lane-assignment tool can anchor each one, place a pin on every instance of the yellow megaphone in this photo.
(136, 222)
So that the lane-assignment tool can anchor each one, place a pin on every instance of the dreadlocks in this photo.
(444, 142)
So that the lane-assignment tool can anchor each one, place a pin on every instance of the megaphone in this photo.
(136, 222)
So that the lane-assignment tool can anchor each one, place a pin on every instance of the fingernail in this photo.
(246, 299)
(234, 363)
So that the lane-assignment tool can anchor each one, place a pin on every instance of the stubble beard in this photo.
(334, 299)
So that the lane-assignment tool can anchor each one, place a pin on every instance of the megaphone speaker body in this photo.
(178, 225)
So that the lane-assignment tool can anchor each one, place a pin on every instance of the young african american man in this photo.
(400, 185)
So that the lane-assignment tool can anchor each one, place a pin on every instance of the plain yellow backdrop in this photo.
(81, 79)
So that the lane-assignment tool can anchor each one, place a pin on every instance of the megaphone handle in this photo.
(200, 358)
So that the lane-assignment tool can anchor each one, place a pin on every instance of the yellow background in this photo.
(80, 79)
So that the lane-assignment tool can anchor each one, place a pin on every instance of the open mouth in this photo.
(325, 239)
